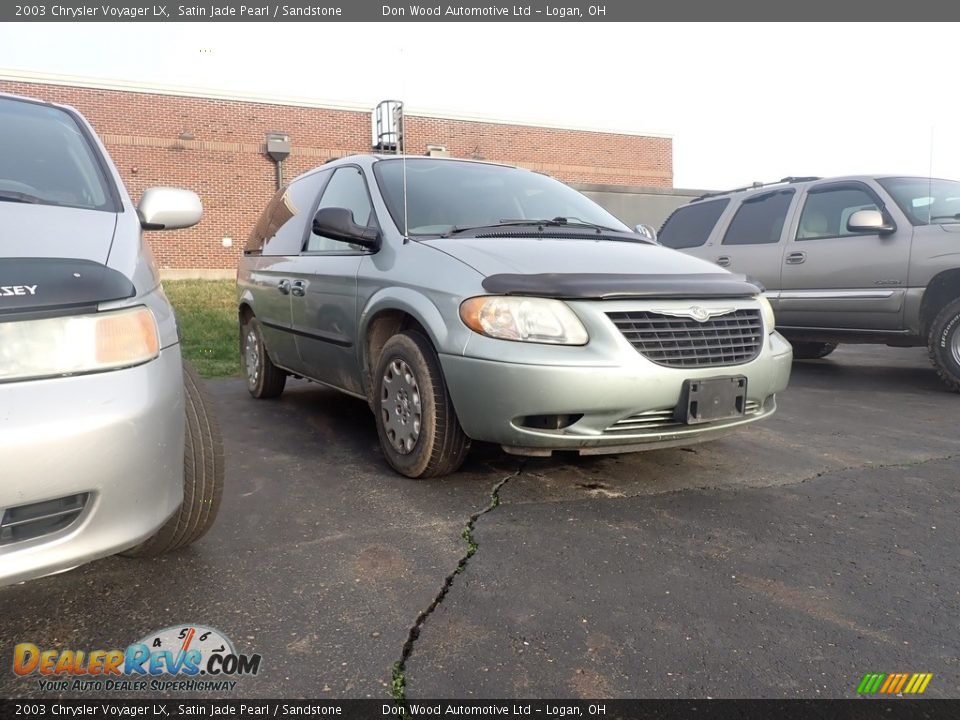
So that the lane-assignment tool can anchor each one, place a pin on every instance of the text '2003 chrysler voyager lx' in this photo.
(467, 300)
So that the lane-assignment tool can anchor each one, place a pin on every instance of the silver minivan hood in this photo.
(490, 256)
(45, 231)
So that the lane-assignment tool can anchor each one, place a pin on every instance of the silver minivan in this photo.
(107, 443)
(473, 301)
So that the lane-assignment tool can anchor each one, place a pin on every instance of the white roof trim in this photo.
(28, 76)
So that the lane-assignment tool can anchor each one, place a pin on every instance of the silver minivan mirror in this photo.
(166, 208)
(646, 230)
(867, 221)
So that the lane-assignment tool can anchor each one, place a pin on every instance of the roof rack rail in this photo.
(757, 185)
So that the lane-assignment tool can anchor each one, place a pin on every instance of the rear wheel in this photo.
(203, 472)
(943, 344)
(812, 350)
(418, 427)
(264, 379)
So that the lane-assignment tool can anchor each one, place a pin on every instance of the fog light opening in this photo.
(549, 422)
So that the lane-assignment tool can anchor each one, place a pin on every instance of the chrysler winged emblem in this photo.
(700, 314)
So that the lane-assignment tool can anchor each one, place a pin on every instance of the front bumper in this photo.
(113, 439)
(624, 406)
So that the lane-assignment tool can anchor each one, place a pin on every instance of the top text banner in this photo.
(536, 11)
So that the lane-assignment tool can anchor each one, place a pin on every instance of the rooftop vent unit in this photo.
(388, 127)
(437, 151)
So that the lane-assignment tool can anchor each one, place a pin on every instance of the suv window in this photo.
(690, 225)
(826, 211)
(760, 219)
(925, 200)
(281, 227)
(346, 189)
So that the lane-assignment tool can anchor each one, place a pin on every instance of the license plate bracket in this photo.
(712, 399)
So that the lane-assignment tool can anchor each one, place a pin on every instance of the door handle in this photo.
(795, 258)
(284, 287)
(298, 288)
(723, 260)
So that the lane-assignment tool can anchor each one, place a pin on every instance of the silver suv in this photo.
(467, 300)
(865, 259)
(106, 442)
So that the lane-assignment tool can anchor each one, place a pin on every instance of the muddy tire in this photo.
(419, 431)
(943, 344)
(264, 379)
(203, 472)
(812, 350)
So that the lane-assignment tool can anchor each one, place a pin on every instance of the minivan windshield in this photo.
(446, 196)
(46, 159)
(925, 201)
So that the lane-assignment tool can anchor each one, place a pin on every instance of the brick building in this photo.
(215, 145)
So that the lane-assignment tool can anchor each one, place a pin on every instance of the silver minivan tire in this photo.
(203, 473)
(943, 344)
(418, 427)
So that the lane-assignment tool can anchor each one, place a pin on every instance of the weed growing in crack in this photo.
(398, 683)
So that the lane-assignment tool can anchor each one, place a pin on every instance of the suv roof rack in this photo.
(757, 185)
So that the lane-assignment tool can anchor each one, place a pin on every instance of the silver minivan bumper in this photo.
(112, 442)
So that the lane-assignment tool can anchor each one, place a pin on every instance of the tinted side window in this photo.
(347, 189)
(760, 219)
(281, 227)
(690, 225)
(825, 213)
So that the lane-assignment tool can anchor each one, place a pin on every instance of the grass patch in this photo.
(207, 315)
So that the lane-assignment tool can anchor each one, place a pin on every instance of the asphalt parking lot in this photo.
(785, 561)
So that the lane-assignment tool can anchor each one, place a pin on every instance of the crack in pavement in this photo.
(398, 683)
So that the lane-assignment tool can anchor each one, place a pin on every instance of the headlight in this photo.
(524, 319)
(766, 309)
(77, 344)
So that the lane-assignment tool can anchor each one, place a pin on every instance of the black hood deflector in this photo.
(612, 286)
(55, 286)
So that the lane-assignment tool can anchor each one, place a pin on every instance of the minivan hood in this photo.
(491, 256)
(604, 269)
(45, 231)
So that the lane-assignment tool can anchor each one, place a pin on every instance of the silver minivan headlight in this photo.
(75, 344)
(766, 310)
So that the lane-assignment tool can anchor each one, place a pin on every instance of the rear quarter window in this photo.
(690, 225)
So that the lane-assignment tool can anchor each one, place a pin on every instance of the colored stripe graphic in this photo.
(894, 683)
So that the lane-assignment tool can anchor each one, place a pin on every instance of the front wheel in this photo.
(202, 475)
(943, 344)
(418, 427)
(812, 350)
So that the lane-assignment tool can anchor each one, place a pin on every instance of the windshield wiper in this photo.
(11, 196)
(553, 222)
(945, 217)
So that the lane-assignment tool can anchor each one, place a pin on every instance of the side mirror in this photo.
(337, 223)
(166, 208)
(869, 221)
(646, 231)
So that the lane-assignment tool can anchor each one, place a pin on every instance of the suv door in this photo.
(689, 226)
(324, 289)
(751, 244)
(833, 277)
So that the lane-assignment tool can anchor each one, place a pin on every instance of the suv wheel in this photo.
(202, 476)
(812, 350)
(264, 379)
(418, 427)
(943, 344)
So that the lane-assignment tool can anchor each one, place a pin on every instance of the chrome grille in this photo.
(653, 420)
(680, 342)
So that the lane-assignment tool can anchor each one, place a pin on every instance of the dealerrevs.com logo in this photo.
(185, 658)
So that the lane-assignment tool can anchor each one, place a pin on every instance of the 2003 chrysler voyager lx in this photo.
(467, 300)
(106, 443)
